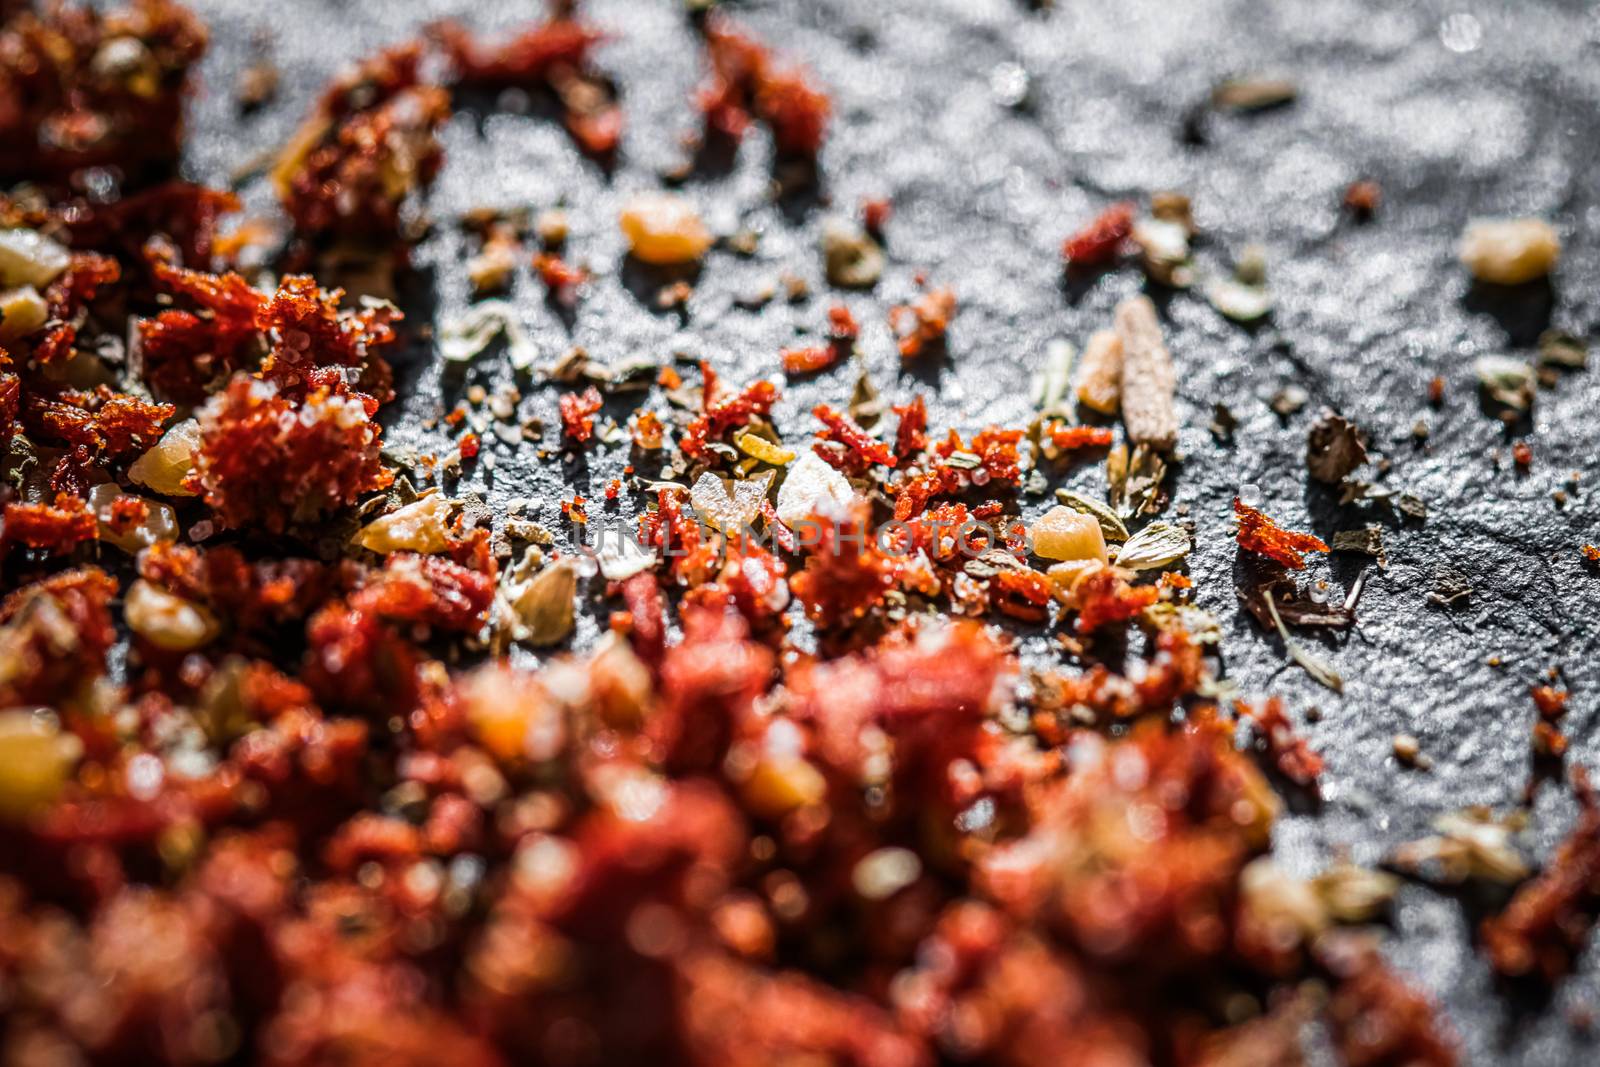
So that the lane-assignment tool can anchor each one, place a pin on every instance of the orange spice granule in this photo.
(469, 445)
(923, 323)
(1071, 437)
(1261, 535)
(577, 414)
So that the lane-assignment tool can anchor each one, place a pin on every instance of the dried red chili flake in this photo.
(309, 335)
(1522, 454)
(809, 359)
(647, 431)
(469, 445)
(1591, 553)
(553, 55)
(65, 107)
(923, 323)
(1294, 758)
(861, 449)
(181, 213)
(1073, 437)
(751, 581)
(57, 633)
(1375, 1018)
(691, 556)
(1544, 927)
(1362, 198)
(1023, 594)
(427, 589)
(368, 146)
(1105, 596)
(1551, 702)
(875, 214)
(746, 80)
(87, 273)
(573, 510)
(354, 661)
(1435, 391)
(720, 416)
(253, 596)
(842, 325)
(1261, 535)
(911, 435)
(108, 423)
(560, 277)
(577, 411)
(266, 460)
(55, 528)
(669, 379)
(647, 612)
(845, 575)
(1098, 243)
(613, 488)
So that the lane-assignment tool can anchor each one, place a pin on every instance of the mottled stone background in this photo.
(1458, 107)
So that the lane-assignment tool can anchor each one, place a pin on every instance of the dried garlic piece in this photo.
(166, 620)
(1065, 534)
(1100, 373)
(812, 487)
(731, 514)
(36, 757)
(28, 257)
(421, 526)
(1509, 251)
(1149, 381)
(664, 229)
(165, 466)
(621, 557)
(22, 311)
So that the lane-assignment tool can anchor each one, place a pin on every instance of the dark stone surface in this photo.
(1457, 109)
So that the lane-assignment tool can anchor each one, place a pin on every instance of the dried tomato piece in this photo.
(267, 460)
(108, 423)
(55, 528)
(809, 359)
(1023, 593)
(250, 595)
(308, 333)
(577, 414)
(922, 324)
(1261, 535)
(860, 450)
(1097, 243)
(560, 277)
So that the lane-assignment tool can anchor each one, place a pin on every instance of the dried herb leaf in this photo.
(1351, 894)
(1157, 545)
(1110, 525)
(866, 406)
(1269, 594)
(539, 603)
(1334, 448)
(1557, 348)
(991, 563)
(851, 259)
(1199, 624)
(1288, 400)
(1223, 422)
(1506, 381)
(1052, 384)
(1367, 541)
(464, 338)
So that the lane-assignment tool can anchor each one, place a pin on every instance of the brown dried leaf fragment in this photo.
(1334, 447)
(1149, 381)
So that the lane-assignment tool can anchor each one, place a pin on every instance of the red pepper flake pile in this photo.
(370, 145)
(1098, 243)
(277, 789)
(1261, 535)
